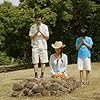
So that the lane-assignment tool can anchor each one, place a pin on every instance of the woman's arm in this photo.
(52, 71)
(64, 63)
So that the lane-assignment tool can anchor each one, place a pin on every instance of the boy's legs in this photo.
(36, 70)
(80, 68)
(43, 60)
(87, 76)
(35, 60)
(42, 70)
(87, 67)
(81, 76)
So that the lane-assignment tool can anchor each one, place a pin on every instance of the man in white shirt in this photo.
(39, 35)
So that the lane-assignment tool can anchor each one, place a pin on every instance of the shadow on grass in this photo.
(9, 68)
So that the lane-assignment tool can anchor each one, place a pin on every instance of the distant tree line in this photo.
(65, 18)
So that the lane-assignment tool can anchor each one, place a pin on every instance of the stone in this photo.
(53, 87)
(26, 91)
(46, 93)
(30, 93)
(38, 94)
(15, 93)
(59, 93)
(53, 93)
(30, 85)
(38, 88)
(17, 87)
(63, 89)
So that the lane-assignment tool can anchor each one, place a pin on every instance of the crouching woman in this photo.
(58, 61)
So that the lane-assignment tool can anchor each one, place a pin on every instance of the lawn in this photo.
(85, 92)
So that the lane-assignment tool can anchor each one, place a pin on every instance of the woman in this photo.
(58, 61)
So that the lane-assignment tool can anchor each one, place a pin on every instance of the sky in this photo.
(14, 2)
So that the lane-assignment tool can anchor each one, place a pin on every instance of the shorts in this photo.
(84, 64)
(39, 55)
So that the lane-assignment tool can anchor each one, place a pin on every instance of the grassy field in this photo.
(85, 92)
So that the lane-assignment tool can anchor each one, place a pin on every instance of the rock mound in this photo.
(44, 87)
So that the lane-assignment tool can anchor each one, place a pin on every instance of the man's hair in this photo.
(38, 16)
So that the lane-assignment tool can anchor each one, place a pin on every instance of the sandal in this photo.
(82, 82)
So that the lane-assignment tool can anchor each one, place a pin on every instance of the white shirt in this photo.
(39, 41)
(58, 65)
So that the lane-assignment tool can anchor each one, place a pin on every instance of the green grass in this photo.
(85, 92)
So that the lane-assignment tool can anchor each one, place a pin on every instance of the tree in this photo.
(15, 22)
(65, 18)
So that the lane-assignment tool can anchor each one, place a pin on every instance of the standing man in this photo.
(39, 35)
(83, 45)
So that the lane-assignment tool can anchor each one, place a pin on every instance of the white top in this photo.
(58, 65)
(39, 41)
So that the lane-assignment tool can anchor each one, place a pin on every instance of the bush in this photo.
(4, 59)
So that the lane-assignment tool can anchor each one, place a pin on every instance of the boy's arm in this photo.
(46, 34)
(33, 34)
(87, 44)
(78, 46)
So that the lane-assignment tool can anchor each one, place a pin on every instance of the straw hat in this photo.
(58, 44)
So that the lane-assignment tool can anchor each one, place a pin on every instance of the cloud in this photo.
(1, 1)
(15, 2)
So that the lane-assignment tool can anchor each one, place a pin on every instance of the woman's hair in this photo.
(60, 55)
(61, 52)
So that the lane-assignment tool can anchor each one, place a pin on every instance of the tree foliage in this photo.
(15, 23)
(65, 19)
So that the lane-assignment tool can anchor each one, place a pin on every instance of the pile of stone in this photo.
(44, 87)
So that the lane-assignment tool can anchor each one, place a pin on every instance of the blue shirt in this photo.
(84, 51)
